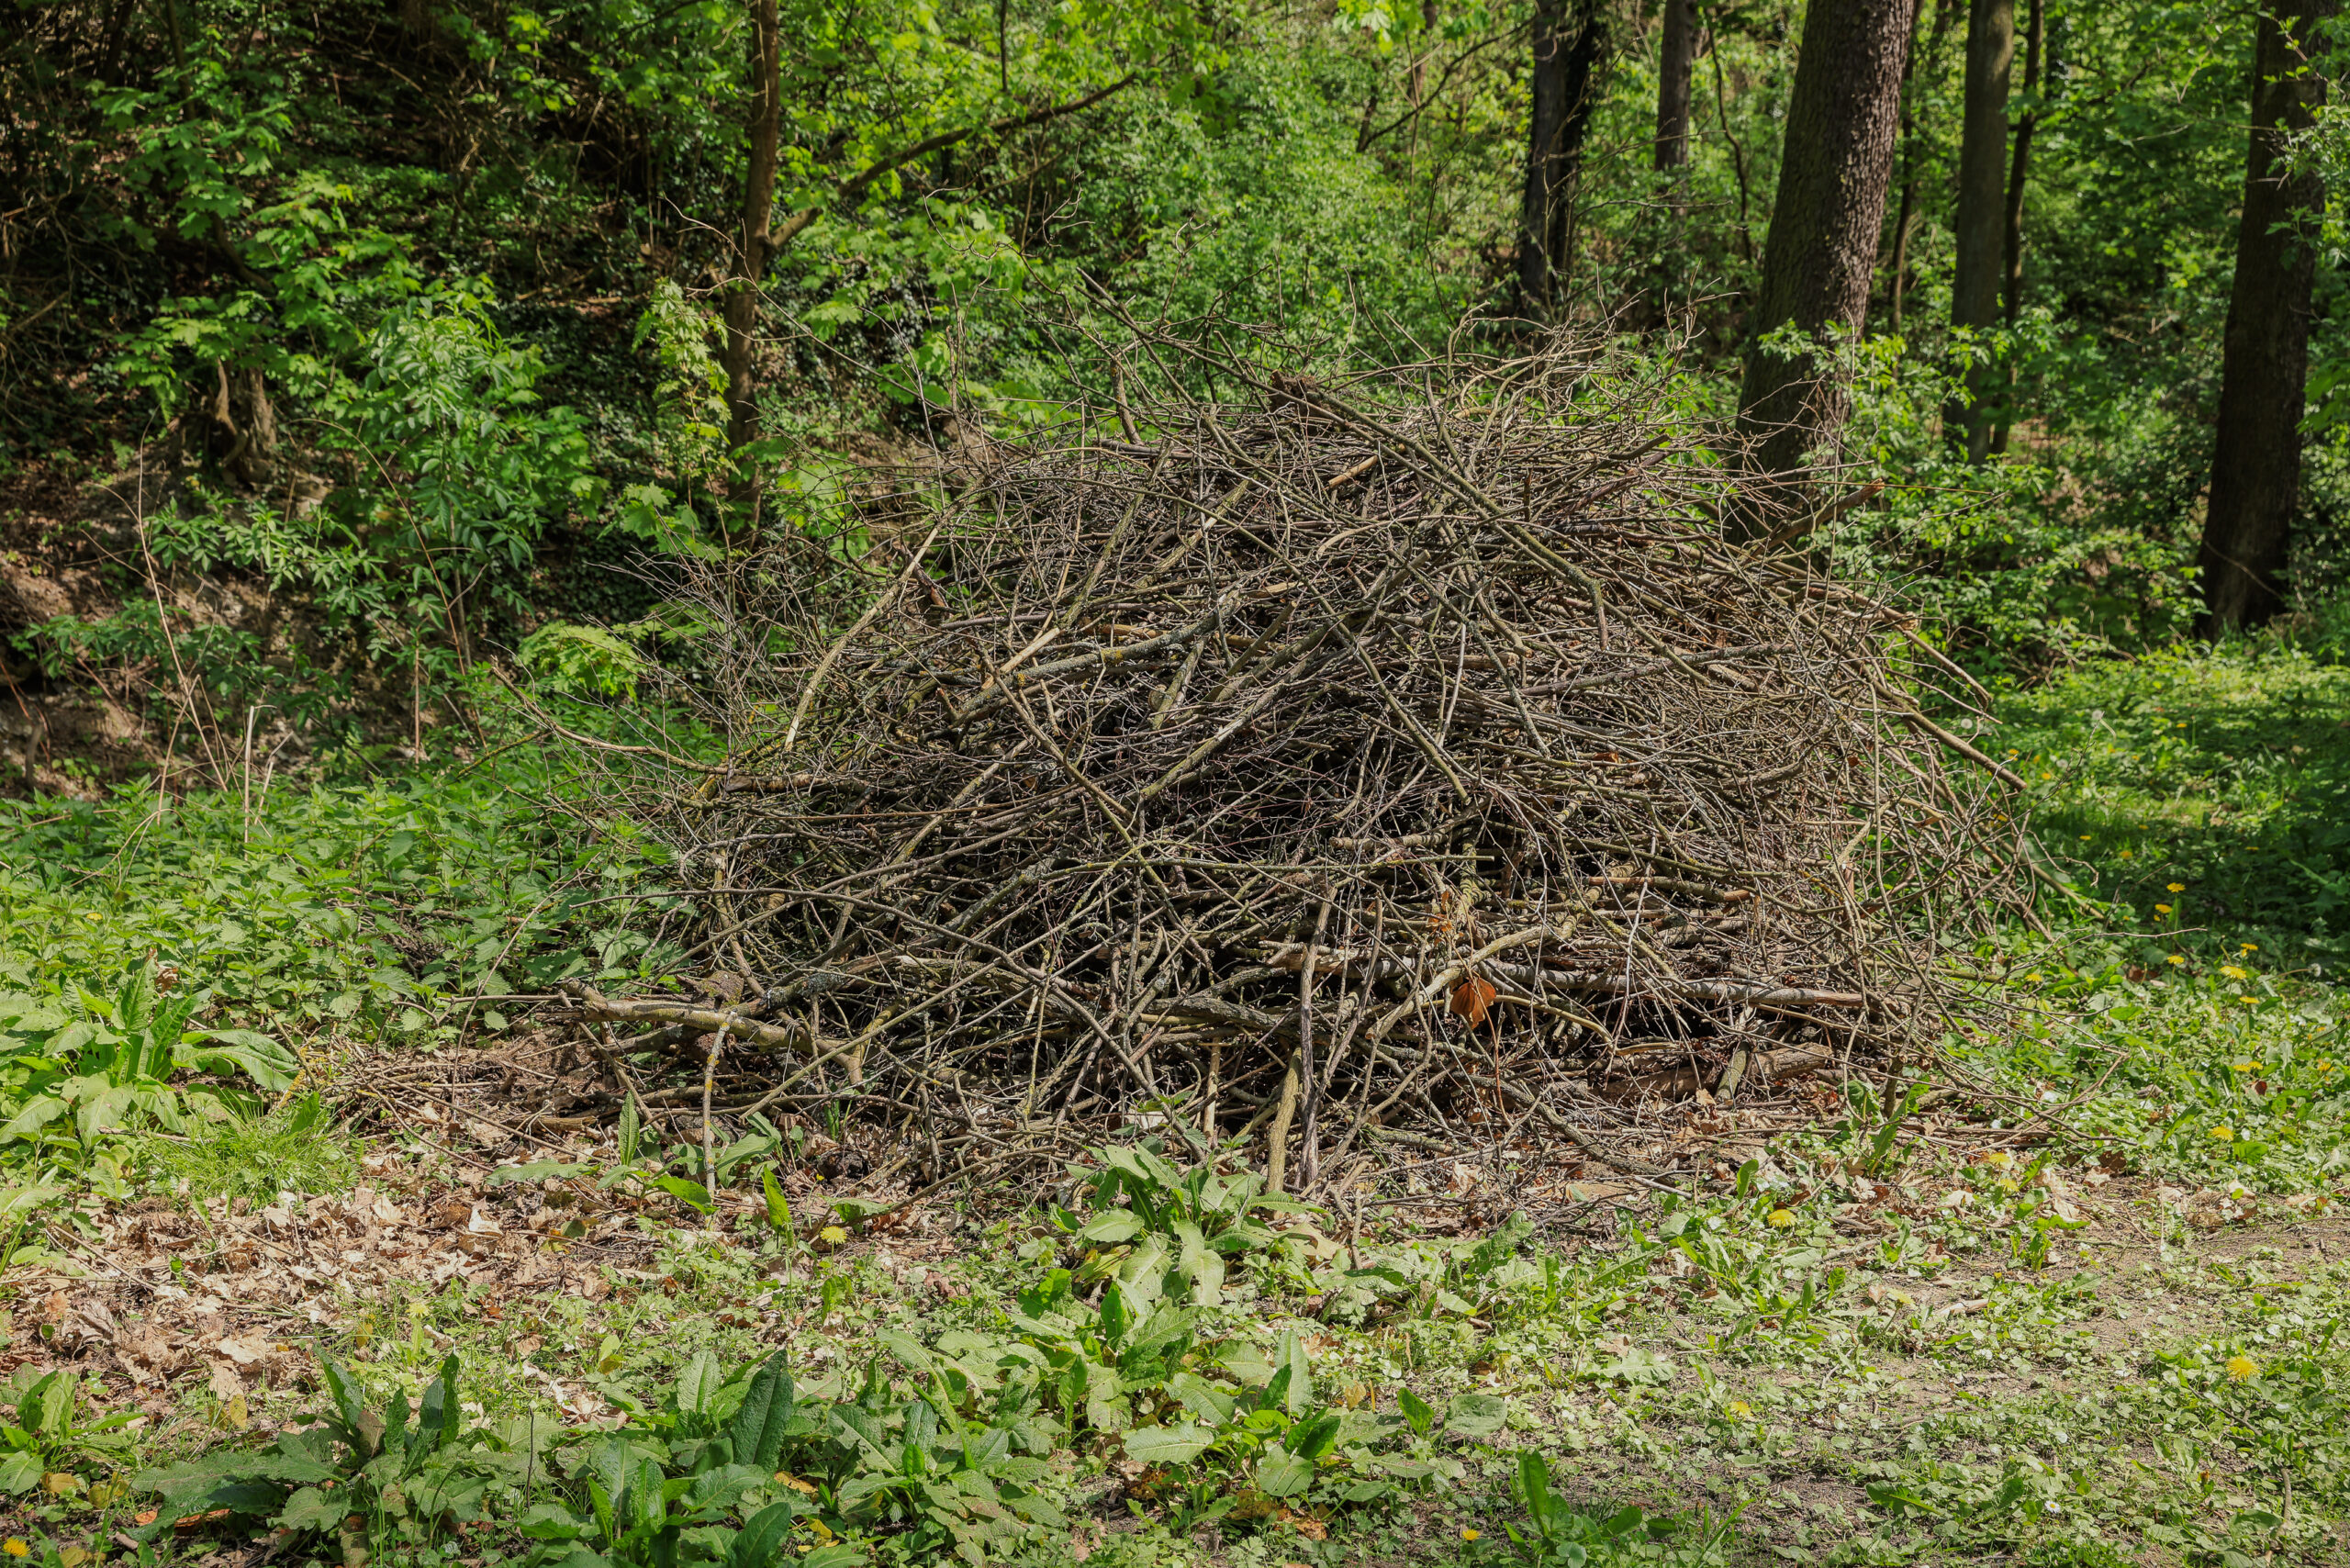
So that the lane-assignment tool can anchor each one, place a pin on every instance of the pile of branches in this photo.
(1408, 759)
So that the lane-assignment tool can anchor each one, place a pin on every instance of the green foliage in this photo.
(294, 1148)
(1560, 1535)
(108, 1064)
(1160, 1230)
(357, 907)
(947, 1472)
(570, 660)
(2226, 771)
(51, 1434)
(400, 1474)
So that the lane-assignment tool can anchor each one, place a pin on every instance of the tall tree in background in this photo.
(756, 246)
(1568, 38)
(2035, 37)
(1980, 225)
(2256, 462)
(1676, 61)
(1821, 251)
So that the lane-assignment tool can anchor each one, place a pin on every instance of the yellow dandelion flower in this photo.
(2249, 1000)
(2243, 1368)
(2325, 1064)
(1998, 1157)
(1781, 1219)
(1740, 1409)
(2245, 1066)
(2085, 838)
(833, 1234)
(15, 1547)
(1468, 1534)
(2178, 887)
(2249, 947)
(418, 1309)
(2233, 972)
(2224, 1133)
(2175, 958)
(2161, 909)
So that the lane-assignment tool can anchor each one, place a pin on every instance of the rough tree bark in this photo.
(1676, 61)
(2256, 463)
(1568, 37)
(1980, 225)
(1821, 255)
(1905, 216)
(756, 245)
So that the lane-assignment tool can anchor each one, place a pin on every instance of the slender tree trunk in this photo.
(1820, 256)
(1568, 37)
(1676, 65)
(1420, 58)
(2256, 463)
(1980, 224)
(1676, 60)
(756, 245)
(1905, 228)
(2019, 171)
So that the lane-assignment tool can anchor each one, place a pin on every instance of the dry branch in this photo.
(1408, 748)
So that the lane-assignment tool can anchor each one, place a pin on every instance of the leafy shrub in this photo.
(364, 1475)
(76, 1078)
(1161, 1230)
(48, 1437)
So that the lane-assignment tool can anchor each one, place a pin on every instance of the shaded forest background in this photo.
(344, 347)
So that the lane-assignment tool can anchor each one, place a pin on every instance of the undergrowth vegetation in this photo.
(1873, 1340)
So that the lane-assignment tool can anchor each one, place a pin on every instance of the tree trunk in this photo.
(1677, 58)
(2019, 172)
(1821, 255)
(1568, 37)
(1980, 226)
(2256, 463)
(756, 246)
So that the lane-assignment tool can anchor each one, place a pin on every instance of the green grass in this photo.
(296, 1148)
(2226, 773)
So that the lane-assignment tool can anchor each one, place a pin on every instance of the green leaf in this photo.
(839, 1554)
(270, 1064)
(693, 1194)
(1312, 1438)
(697, 1384)
(19, 1473)
(38, 1111)
(778, 1211)
(437, 1415)
(1281, 1474)
(1289, 1355)
(764, 1535)
(203, 1480)
(760, 1422)
(1476, 1415)
(552, 1521)
(1167, 1445)
(310, 1508)
(1112, 1227)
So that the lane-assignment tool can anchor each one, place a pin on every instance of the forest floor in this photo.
(2091, 1321)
